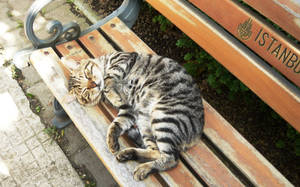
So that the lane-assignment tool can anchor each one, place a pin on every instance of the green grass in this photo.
(29, 95)
(20, 24)
(70, 1)
(54, 133)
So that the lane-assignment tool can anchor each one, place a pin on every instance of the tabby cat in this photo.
(155, 97)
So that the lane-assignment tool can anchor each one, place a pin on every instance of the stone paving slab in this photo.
(27, 157)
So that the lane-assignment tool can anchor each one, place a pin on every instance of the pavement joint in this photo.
(27, 156)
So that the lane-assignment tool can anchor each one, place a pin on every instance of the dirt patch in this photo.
(104, 7)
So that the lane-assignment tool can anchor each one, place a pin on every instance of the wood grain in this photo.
(208, 166)
(245, 157)
(282, 12)
(271, 87)
(260, 41)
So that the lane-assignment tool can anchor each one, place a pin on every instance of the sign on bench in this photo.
(273, 88)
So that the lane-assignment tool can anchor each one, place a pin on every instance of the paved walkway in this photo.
(27, 158)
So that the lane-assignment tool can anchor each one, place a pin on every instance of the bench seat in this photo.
(222, 158)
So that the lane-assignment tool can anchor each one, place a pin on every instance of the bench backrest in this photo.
(247, 45)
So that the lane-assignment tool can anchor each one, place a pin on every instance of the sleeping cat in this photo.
(155, 97)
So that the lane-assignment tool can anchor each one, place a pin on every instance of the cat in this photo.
(156, 98)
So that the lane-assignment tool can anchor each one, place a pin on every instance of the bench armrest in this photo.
(127, 12)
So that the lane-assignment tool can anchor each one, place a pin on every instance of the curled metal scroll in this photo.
(127, 12)
(55, 28)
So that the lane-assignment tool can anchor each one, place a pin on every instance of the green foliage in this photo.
(199, 61)
(294, 137)
(280, 144)
(297, 146)
(29, 95)
(54, 133)
(16, 72)
(147, 6)
(20, 24)
(38, 109)
(89, 184)
(185, 42)
(70, 1)
(292, 140)
(164, 23)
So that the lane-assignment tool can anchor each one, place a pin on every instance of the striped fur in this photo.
(152, 92)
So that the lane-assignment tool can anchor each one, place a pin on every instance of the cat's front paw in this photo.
(142, 171)
(112, 139)
(126, 154)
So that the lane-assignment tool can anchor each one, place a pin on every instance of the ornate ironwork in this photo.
(55, 28)
(127, 12)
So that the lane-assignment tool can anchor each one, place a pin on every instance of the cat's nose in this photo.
(92, 84)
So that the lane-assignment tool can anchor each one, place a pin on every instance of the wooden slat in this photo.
(233, 145)
(240, 152)
(91, 125)
(209, 167)
(285, 13)
(260, 41)
(128, 41)
(179, 176)
(278, 93)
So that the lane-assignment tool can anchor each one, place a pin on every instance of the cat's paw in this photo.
(112, 139)
(142, 171)
(113, 145)
(126, 154)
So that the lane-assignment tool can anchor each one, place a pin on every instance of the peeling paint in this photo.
(297, 22)
(220, 142)
(296, 2)
(182, 13)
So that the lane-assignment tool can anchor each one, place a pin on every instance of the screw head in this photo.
(91, 37)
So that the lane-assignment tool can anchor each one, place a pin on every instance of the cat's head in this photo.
(86, 80)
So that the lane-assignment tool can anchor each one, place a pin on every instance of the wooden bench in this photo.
(223, 157)
(239, 39)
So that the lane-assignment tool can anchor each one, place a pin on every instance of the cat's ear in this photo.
(70, 64)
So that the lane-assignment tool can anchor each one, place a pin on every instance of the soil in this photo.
(250, 118)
